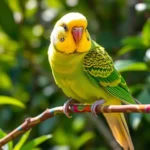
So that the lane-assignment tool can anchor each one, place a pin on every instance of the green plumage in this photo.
(99, 66)
(88, 76)
(86, 73)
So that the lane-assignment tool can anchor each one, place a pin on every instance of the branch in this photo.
(77, 108)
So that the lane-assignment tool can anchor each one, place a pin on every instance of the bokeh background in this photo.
(26, 84)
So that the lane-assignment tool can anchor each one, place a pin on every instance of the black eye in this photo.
(65, 27)
(88, 38)
(62, 39)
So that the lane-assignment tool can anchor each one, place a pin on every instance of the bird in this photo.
(85, 72)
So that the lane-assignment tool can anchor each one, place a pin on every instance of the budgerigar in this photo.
(85, 72)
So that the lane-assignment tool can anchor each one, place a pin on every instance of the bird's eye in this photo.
(62, 39)
(65, 27)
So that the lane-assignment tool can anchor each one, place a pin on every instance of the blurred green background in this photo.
(26, 84)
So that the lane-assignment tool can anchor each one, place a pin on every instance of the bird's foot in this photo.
(66, 107)
(95, 104)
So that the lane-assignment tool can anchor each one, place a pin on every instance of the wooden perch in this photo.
(76, 108)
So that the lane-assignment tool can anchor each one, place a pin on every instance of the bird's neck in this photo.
(62, 58)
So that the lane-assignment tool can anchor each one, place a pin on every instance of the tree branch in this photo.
(76, 108)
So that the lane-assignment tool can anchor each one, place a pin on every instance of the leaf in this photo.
(7, 21)
(83, 139)
(130, 65)
(125, 50)
(22, 140)
(35, 142)
(5, 81)
(134, 42)
(130, 44)
(11, 101)
(9, 145)
(60, 137)
(78, 123)
(146, 33)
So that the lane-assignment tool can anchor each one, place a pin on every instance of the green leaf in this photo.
(11, 101)
(83, 139)
(33, 143)
(130, 44)
(134, 42)
(9, 145)
(146, 33)
(5, 81)
(130, 65)
(7, 21)
(125, 50)
(22, 141)
(60, 137)
(79, 123)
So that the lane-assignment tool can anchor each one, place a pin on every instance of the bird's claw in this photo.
(66, 107)
(94, 105)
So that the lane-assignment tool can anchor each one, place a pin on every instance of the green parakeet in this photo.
(85, 72)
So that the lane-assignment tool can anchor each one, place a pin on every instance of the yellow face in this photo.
(70, 34)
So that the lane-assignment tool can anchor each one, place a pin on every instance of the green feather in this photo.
(99, 67)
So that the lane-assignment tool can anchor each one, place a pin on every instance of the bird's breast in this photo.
(69, 75)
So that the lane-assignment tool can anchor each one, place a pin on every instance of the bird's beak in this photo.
(77, 34)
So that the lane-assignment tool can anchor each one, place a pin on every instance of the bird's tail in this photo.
(119, 129)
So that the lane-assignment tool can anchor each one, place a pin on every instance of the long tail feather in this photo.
(119, 129)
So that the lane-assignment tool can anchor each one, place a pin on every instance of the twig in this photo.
(77, 108)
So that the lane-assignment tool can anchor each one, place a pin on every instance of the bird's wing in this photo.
(99, 67)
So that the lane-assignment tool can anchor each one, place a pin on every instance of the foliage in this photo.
(21, 145)
(11, 101)
(122, 27)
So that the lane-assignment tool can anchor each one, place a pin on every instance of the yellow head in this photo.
(70, 34)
